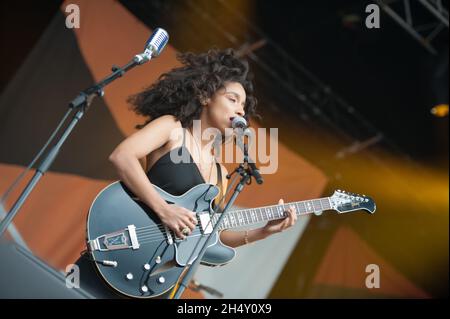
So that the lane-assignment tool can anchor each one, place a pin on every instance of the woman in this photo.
(213, 87)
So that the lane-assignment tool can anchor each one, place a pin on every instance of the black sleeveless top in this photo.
(176, 172)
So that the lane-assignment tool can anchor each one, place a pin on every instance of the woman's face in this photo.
(224, 105)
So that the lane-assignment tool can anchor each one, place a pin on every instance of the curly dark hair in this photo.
(180, 91)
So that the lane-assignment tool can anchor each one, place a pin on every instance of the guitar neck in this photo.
(245, 217)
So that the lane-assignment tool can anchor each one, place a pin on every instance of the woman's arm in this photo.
(238, 238)
(127, 155)
(125, 158)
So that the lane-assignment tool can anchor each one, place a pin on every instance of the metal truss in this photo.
(424, 33)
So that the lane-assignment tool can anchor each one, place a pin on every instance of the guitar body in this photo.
(134, 253)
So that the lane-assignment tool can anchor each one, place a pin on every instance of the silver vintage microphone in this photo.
(239, 122)
(240, 126)
(154, 45)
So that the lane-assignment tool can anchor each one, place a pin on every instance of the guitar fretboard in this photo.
(244, 217)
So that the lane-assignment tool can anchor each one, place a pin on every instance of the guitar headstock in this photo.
(345, 202)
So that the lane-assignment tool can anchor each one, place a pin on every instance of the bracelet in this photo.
(246, 237)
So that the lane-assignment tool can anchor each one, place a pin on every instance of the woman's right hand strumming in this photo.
(178, 218)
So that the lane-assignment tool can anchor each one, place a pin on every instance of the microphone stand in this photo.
(81, 103)
(248, 160)
(246, 170)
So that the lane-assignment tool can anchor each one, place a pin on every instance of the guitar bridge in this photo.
(122, 239)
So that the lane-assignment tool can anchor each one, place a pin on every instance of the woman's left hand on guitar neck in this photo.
(238, 238)
(279, 225)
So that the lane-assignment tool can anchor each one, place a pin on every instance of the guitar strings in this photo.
(163, 238)
(149, 237)
(143, 232)
(152, 227)
(162, 227)
(160, 236)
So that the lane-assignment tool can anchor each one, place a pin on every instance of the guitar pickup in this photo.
(206, 223)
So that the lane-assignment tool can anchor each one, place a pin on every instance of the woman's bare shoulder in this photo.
(152, 136)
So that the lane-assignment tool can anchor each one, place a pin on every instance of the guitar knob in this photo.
(129, 276)
(161, 280)
(144, 288)
(147, 267)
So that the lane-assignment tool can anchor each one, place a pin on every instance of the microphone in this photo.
(154, 46)
(240, 125)
(239, 122)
